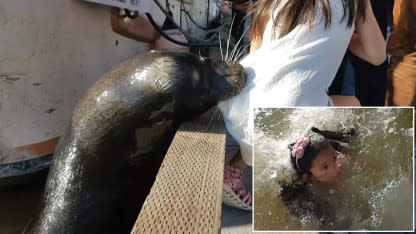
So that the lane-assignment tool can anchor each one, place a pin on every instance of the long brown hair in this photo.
(296, 12)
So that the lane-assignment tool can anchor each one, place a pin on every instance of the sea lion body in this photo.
(106, 163)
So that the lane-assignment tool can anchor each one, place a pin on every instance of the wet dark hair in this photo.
(319, 140)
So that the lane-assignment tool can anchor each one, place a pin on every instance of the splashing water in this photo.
(377, 191)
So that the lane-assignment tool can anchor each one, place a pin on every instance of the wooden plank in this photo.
(187, 194)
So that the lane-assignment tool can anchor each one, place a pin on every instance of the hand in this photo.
(132, 26)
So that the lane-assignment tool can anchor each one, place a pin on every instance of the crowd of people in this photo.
(315, 53)
(337, 55)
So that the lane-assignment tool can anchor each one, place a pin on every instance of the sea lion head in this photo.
(229, 79)
(210, 81)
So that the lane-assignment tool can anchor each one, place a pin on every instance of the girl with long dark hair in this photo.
(296, 49)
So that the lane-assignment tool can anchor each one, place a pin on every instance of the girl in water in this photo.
(296, 49)
(318, 158)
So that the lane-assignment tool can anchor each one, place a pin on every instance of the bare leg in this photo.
(340, 100)
(234, 192)
(238, 162)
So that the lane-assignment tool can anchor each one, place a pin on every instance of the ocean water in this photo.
(377, 193)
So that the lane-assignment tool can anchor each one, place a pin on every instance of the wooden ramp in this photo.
(187, 194)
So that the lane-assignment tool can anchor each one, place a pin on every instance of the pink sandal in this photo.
(234, 193)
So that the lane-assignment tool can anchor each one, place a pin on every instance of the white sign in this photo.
(135, 5)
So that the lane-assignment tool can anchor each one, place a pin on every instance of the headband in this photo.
(298, 149)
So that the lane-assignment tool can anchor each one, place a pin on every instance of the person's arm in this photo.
(368, 42)
(343, 135)
(139, 28)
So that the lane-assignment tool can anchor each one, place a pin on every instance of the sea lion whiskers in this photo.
(242, 53)
(219, 39)
(229, 38)
(212, 118)
(233, 52)
(237, 53)
(219, 115)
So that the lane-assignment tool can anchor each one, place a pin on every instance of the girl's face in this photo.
(327, 166)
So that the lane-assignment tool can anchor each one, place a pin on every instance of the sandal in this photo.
(234, 193)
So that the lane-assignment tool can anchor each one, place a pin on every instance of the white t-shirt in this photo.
(295, 70)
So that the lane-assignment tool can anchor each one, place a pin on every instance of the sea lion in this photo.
(107, 162)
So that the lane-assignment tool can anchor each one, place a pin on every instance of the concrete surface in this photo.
(52, 51)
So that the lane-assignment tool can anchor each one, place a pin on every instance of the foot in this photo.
(234, 192)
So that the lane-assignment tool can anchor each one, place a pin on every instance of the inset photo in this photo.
(333, 169)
